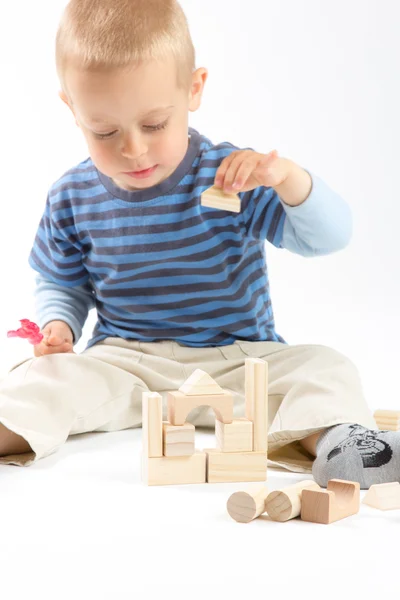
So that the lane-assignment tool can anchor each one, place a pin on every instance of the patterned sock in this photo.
(355, 453)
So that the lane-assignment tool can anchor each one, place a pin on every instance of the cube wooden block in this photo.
(175, 470)
(178, 440)
(224, 467)
(236, 436)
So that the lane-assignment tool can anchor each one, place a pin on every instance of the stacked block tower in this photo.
(169, 455)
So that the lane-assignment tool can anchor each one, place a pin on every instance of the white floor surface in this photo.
(80, 524)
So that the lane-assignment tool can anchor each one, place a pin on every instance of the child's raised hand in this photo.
(244, 170)
(57, 338)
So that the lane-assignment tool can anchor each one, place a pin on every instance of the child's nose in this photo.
(134, 146)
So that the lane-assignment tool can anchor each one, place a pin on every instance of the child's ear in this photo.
(65, 99)
(199, 79)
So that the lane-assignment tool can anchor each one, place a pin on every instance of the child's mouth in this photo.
(142, 174)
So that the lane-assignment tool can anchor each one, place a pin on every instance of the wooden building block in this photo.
(387, 427)
(387, 421)
(152, 436)
(200, 383)
(178, 440)
(256, 393)
(341, 499)
(285, 503)
(224, 467)
(247, 505)
(387, 414)
(215, 197)
(385, 496)
(236, 436)
(179, 406)
(175, 470)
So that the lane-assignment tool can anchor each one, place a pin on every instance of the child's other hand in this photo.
(244, 170)
(57, 338)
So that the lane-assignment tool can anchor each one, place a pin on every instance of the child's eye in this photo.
(103, 136)
(156, 127)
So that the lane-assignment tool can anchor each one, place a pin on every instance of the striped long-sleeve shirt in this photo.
(157, 265)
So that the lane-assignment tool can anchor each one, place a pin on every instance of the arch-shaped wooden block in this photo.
(341, 499)
(179, 406)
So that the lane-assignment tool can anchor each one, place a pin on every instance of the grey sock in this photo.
(355, 453)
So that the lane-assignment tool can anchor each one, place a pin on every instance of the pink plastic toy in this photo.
(29, 331)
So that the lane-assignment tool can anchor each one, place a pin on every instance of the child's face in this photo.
(141, 113)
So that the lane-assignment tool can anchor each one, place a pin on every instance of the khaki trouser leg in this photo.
(310, 388)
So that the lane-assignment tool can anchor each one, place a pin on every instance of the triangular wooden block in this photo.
(200, 384)
(385, 496)
(215, 197)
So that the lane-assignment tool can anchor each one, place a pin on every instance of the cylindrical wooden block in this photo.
(247, 505)
(284, 504)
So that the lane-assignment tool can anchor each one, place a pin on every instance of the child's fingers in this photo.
(43, 349)
(242, 174)
(269, 158)
(223, 168)
(249, 160)
(54, 336)
(55, 340)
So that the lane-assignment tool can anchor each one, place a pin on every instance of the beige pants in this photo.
(49, 398)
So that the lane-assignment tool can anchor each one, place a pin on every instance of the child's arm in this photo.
(59, 303)
(286, 204)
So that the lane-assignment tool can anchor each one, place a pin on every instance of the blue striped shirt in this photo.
(157, 265)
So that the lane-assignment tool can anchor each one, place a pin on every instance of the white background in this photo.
(318, 81)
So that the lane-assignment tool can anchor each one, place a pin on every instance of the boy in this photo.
(176, 286)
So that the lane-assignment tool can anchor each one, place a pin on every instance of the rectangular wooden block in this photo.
(387, 414)
(152, 438)
(224, 467)
(178, 440)
(256, 393)
(175, 470)
(390, 421)
(236, 436)
(215, 197)
(387, 426)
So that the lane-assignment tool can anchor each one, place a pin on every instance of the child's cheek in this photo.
(102, 156)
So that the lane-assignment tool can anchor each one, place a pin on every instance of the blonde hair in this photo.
(108, 34)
